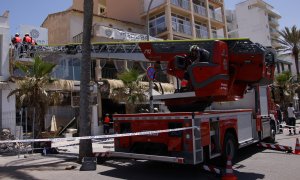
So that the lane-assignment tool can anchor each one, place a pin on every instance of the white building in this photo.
(257, 20)
(254, 19)
(7, 105)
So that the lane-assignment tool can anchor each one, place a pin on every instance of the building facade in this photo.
(186, 19)
(259, 21)
(7, 105)
(254, 19)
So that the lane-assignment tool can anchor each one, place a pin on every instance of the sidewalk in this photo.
(51, 166)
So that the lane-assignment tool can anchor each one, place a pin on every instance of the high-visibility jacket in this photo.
(27, 39)
(106, 120)
(33, 42)
(18, 39)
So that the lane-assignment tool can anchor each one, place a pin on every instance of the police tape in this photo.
(99, 136)
(283, 126)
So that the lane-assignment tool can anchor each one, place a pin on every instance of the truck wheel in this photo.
(272, 137)
(229, 147)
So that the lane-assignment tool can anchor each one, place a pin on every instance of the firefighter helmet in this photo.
(194, 48)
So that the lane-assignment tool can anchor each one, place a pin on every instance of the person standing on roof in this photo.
(27, 40)
(16, 41)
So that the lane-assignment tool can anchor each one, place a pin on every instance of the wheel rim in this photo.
(230, 148)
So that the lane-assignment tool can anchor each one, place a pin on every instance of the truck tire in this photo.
(272, 137)
(229, 147)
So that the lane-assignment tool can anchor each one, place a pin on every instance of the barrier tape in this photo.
(99, 136)
(275, 146)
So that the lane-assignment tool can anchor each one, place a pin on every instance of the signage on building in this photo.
(112, 33)
(39, 34)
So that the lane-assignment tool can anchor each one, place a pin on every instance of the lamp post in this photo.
(150, 81)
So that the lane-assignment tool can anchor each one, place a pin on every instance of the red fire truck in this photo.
(228, 107)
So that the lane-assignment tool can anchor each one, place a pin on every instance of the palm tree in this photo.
(85, 146)
(31, 91)
(285, 87)
(290, 42)
(133, 90)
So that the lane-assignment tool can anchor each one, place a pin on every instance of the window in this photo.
(181, 24)
(157, 24)
(201, 30)
(101, 9)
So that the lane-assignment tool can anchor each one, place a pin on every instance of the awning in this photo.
(158, 88)
(64, 85)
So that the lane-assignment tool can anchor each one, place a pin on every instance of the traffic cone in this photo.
(229, 171)
(297, 147)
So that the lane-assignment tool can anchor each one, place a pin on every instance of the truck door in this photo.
(263, 99)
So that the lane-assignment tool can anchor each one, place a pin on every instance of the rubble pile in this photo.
(5, 134)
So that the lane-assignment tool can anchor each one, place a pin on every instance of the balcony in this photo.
(217, 2)
(181, 28)
(200, 10)
(273, 22)
(202, 34)
(181, 3)
(158, 29)
(216, 16)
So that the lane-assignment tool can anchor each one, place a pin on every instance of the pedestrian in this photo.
(291, 118)
(279, 117)
(106, 123)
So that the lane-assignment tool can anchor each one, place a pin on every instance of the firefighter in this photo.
(27, 41)
(195, 55)
(16, 41)
(198, 54)
(106, 124)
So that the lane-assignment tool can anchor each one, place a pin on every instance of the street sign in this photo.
(151, 72)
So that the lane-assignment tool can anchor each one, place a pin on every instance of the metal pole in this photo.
(150, 81)
(21, 130)
(26, 122)
(33, 120)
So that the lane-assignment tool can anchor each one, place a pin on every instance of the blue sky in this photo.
(34, 12)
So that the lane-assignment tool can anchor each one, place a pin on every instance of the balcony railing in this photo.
(200, 33)
(181, 3)
(181, 28)
(273, 21)
(216, 16)
(159, 28)
(200, 10)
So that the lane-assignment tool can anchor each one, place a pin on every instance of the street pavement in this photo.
(253, 163)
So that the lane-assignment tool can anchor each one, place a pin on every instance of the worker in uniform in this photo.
(195, 55)
(27, 41)
(16, 41)
(106, 123)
